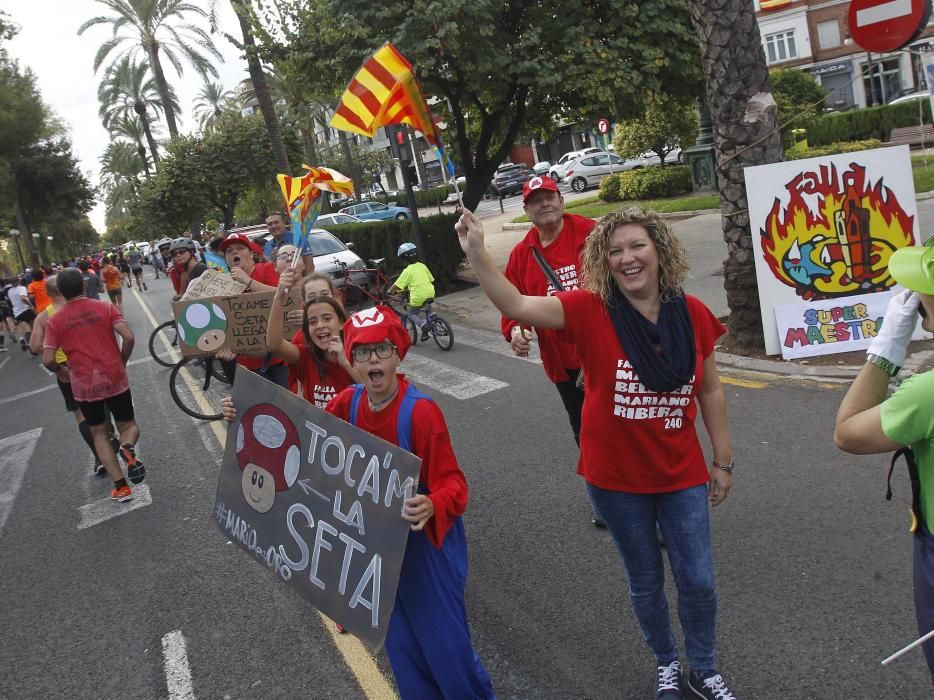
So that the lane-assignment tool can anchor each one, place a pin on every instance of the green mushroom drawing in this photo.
(203, 325)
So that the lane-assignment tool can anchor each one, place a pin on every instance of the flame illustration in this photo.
(836, 235)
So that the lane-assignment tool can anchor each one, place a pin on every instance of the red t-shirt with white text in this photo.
(632, 438)
(318, 389)
(84, 329)
(264, 273)
(564, 257)
(431, 442)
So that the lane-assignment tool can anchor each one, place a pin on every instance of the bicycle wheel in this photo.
(163, 344)
(196, 390)
(410, 328)
(442, 332)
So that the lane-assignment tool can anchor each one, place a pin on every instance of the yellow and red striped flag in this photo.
(384, 91)
(303, 197)
(768, 5)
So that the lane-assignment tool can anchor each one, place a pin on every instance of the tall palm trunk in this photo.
(261, 88)
(152, 49)
(141, 151)
(140, 110)
(745, 133)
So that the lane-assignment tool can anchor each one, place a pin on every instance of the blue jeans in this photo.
(684, 518)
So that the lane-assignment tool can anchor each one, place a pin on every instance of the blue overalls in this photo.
(428, 640)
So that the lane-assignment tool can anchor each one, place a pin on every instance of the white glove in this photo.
(901, 317)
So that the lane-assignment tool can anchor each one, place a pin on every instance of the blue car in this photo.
(377, 211)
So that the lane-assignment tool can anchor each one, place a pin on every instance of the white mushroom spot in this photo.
(198, 315)
(218, 312)
(268, 431)
(180, 327)
(240, 437)
(292, 463)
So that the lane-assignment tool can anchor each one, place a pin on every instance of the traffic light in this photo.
(399, 145)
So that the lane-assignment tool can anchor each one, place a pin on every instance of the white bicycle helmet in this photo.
(407, 250)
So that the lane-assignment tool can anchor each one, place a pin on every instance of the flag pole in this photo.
(917, 642)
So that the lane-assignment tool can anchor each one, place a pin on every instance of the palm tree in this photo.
(211, 102)
(130, 128)
(121, 165)
(153, 26)
(129, 90)
(258, 77)
(745, 132)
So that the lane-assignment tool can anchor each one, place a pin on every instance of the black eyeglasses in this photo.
(362, 353)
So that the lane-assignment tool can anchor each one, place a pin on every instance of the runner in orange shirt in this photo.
(36, 289)
(114, 284)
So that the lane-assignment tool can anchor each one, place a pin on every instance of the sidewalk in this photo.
(702, 238)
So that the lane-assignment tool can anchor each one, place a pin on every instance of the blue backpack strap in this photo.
(404, 425)
(355, 403)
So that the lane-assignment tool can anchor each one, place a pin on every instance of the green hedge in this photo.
(381, 239)
(423, 198)
(831, 149)
(646, 183)
(868, 123)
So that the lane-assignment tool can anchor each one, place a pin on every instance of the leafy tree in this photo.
(503, 67)
(121, 166)
(744, 116)
(665, 125)
(800, 99)
(212, 102)
(151, 28)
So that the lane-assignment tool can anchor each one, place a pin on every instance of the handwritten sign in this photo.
(317, 502)
(236, 323)
(213, 283)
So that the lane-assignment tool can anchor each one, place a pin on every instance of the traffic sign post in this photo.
(887, 25)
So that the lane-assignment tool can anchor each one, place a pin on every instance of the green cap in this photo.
(913, 267)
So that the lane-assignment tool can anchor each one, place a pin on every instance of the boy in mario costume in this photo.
(428, 640)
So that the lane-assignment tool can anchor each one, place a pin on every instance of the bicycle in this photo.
(376, 291)
(438, 328)
(198, 384)
(163, 344)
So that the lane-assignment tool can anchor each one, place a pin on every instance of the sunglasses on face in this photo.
(362, 353)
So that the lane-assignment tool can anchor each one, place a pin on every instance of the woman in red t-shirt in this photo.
(646, 350)
(316, 356)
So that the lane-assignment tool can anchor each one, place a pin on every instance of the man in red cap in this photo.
(558, 238)
(238, 251)
(428, 641)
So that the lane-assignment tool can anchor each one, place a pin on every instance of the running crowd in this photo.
(631, 356)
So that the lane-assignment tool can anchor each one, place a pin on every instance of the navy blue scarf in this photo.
(663, 354)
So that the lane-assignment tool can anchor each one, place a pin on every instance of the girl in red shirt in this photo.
(317, 362)
(646, 350)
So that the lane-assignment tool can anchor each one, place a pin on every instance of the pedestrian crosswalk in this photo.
(15, 453)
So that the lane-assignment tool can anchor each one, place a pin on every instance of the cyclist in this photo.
(185, 266)
(161, 259)
(134, 257)
(418, 280)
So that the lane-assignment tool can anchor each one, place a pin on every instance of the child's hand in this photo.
(418, 510)
(227, 408)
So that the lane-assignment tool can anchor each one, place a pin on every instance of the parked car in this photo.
(651, 158)
(557, 171)
(542, 167)
(587, 172)
(910, 97)
(377, 211)
(510, 177)
(328, 220)
(328, 251)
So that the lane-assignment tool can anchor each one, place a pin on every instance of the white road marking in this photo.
(177, 671)
(449, 380)
(27, 394)
(15, 452)
(883, 12)
(99, 511)
(4, 362)
(492, 342)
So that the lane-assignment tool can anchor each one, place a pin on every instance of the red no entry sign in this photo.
(603, 126)
(887, 25)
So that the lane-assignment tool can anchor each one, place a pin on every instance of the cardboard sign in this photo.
(317, 502)
(236, 323)
(824, 228)
(213, 283)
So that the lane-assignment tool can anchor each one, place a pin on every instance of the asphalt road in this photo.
(814, 566)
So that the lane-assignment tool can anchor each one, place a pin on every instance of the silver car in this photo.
(588, 171)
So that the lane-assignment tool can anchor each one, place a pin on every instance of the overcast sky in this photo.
(63, 62)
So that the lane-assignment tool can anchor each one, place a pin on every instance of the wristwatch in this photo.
(887, 366)
(728, 468)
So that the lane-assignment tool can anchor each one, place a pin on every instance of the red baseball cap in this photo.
(374, 326)
(537, 183)
(242, 239)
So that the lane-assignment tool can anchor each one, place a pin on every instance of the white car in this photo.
(587, 172)
(557, 171)
(328, 220)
